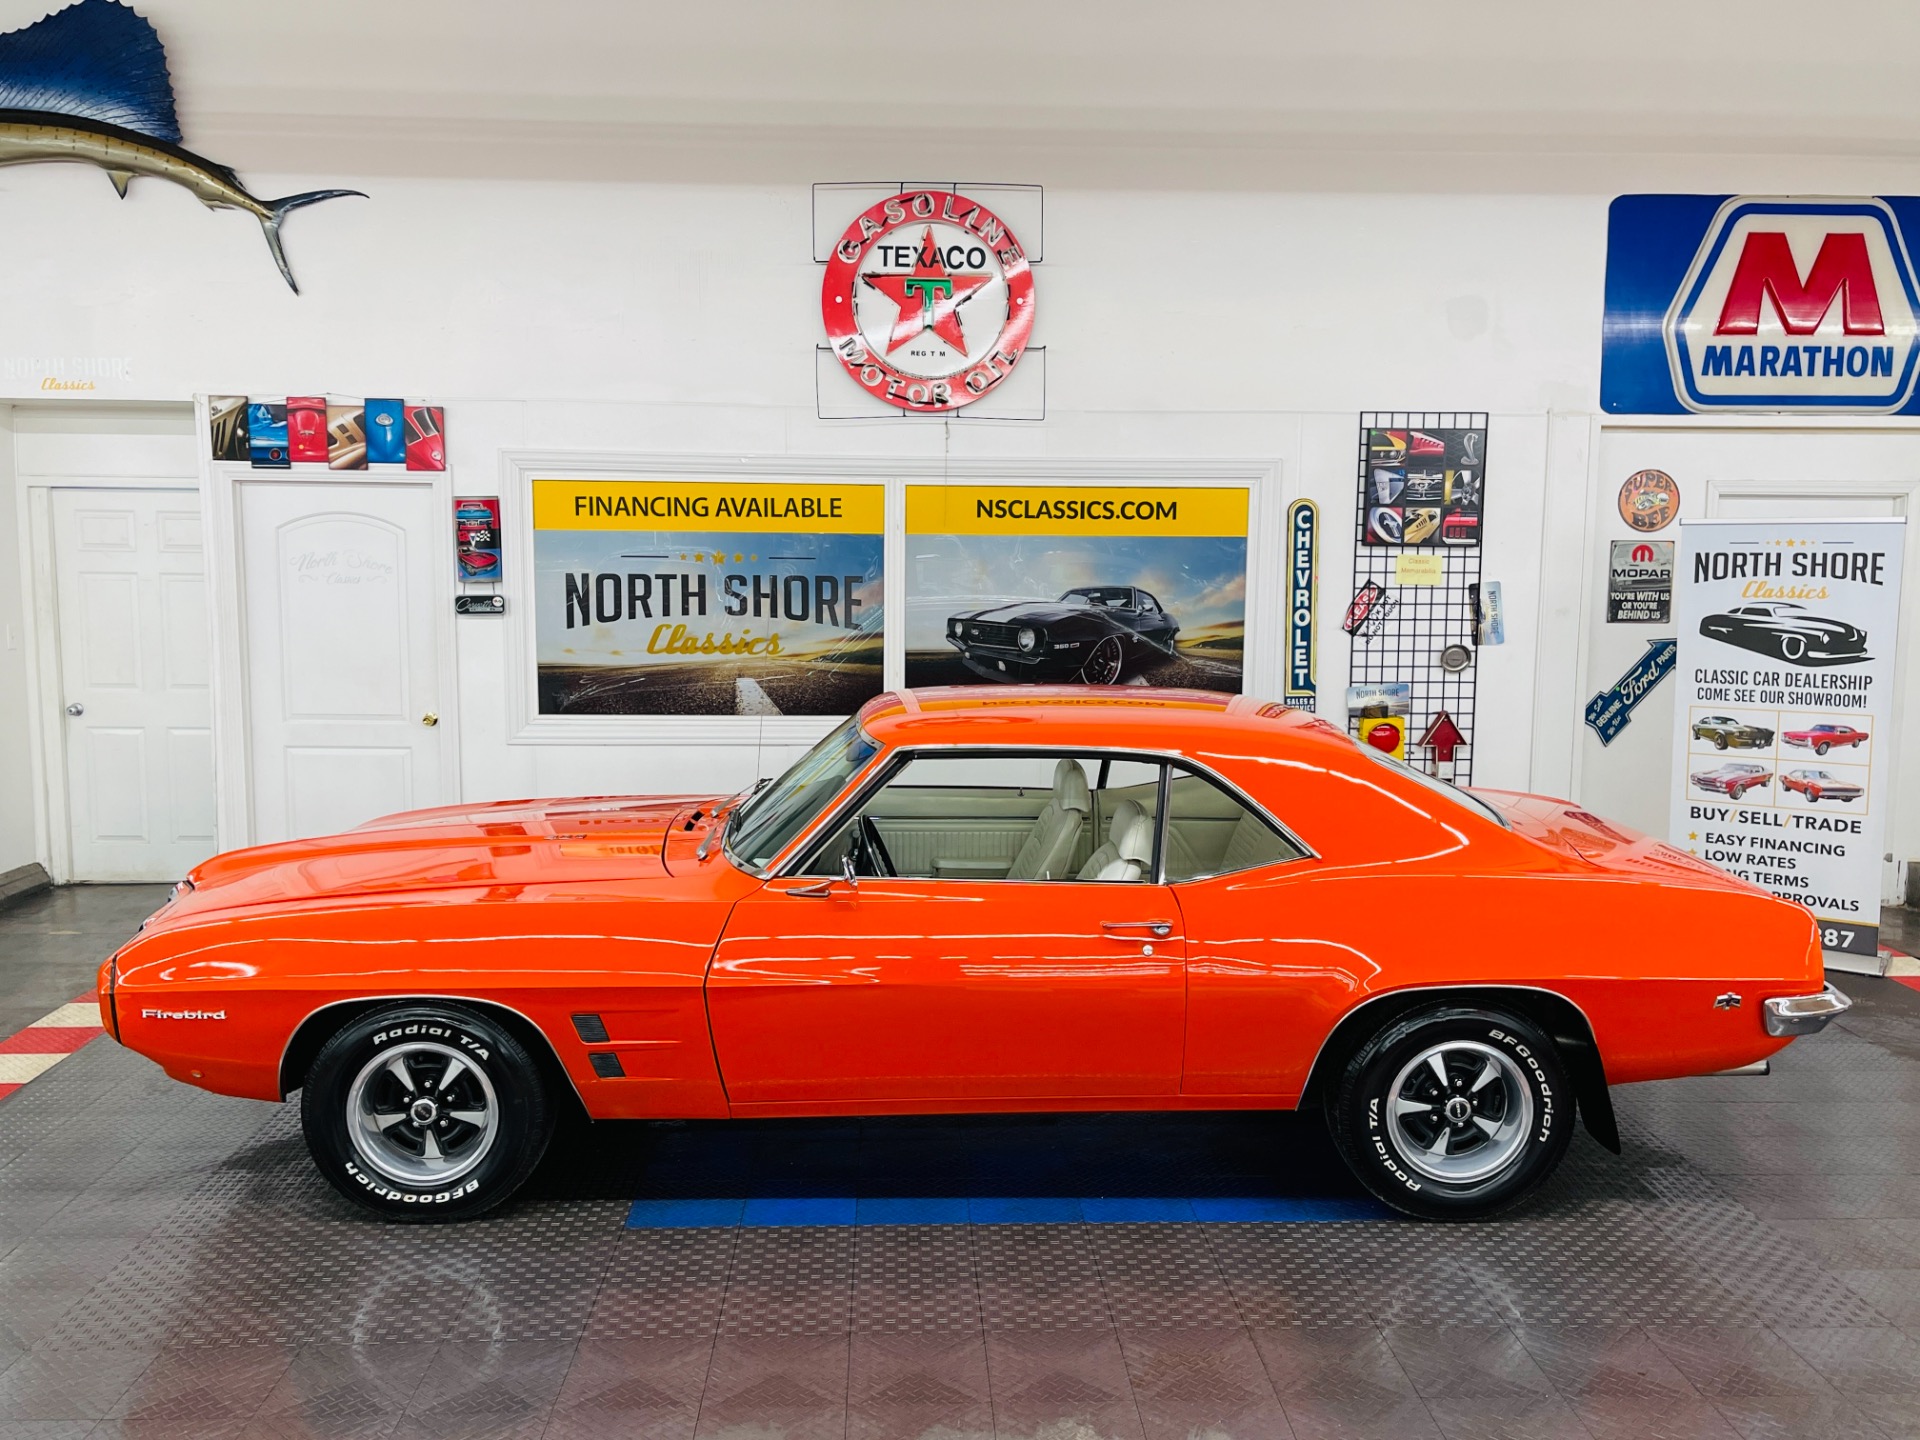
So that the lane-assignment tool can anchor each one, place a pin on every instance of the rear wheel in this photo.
(425, 1112)
(1454, 1113)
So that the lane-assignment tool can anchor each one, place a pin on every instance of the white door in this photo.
(1744, 475)
(132, 637)
(342, 663)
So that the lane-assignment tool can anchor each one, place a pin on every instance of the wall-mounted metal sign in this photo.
(1640, 582)
(928, 300)
(1743, 302)
(1303, 586)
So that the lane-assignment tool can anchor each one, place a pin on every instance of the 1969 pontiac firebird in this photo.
(974, 900)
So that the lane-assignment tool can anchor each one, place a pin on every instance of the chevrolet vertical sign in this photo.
(1751, 303)
(1303, 582)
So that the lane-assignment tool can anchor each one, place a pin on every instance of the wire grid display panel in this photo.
(1433, 461)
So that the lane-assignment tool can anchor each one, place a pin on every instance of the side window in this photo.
(1209, 832)
(1013, 816)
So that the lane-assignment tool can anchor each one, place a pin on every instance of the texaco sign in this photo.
(928, 300)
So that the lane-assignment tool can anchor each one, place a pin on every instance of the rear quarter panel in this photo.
(1405, 894)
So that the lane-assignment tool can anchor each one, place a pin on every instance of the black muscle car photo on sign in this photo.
(1786, 631)
(1092, 634)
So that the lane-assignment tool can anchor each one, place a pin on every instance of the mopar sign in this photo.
(1303, 540)
(1751, 303)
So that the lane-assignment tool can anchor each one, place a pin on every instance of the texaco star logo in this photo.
(928, 300)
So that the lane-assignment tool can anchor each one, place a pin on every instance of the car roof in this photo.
(1088, 715)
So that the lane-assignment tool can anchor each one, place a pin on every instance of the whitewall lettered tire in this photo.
(1454, 1113)
(425, 1112)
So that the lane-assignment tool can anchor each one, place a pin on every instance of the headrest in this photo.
(1070, 786)
(1132, 833)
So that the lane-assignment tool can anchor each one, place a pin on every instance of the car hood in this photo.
(511, 843)
(1031, 612)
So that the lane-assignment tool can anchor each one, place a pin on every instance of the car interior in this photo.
(1033, 816)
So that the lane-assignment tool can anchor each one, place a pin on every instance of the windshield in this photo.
(1106, 596)
(1439, 787)
(787, 806)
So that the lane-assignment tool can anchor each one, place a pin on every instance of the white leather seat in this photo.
(1049, 845)
(1128, 853)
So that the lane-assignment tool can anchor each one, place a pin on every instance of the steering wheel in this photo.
(875, 847)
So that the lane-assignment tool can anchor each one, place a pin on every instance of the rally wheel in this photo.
(425, 1112)
(1453, 1113)
(1104, 665)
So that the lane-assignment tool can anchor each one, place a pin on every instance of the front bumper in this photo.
(1791, 1015)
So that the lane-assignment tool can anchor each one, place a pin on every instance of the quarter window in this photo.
(1210, 832)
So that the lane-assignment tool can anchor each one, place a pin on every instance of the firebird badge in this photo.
(183, 1014)
(928, 301)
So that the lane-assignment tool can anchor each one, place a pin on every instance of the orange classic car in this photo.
(975, 900)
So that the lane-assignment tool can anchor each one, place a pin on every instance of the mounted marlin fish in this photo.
(89, 84)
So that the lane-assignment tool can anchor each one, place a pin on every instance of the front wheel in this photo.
(1719, 742)
(1454, 1113)
(1104, 665)
(1822, 748)
(426, 1112)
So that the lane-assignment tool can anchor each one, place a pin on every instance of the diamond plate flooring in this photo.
(171, 1266)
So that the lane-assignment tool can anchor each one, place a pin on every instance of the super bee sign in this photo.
(685, 598)
(928, 300)
(1742, 302)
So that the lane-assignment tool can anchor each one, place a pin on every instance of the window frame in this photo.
(805, 846)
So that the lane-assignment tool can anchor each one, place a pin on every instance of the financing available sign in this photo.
(1783, 719)
(667, 597)
(1757, 303)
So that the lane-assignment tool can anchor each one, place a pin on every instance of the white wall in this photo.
(683, 318)
(17, 840)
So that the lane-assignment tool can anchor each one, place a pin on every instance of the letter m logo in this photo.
(1842, 270)
(1797, 305)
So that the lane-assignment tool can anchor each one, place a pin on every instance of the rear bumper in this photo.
(1804, 1014)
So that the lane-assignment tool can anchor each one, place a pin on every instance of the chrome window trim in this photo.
(891, 760)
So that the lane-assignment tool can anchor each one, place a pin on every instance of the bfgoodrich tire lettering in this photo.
(425, 1112)
(1454, 1113)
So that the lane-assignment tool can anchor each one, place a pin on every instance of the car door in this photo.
(949, 987)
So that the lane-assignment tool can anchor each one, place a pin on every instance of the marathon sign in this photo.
(1745, 303)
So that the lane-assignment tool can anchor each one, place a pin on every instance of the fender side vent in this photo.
(606, 1065)
(590, 1028)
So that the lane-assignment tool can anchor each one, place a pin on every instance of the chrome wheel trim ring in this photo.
(1460, 1148)
(1110, 672)
(383, 1137)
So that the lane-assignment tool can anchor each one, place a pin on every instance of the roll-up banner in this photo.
(1783, 718)
(672, 597)
(1077, 585)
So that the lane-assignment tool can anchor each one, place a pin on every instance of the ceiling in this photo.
(1233, 93)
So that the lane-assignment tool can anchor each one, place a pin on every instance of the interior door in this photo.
(342, 662)
(133, 639)
(1747, 475)
(955, 991)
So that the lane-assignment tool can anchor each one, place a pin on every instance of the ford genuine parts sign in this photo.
(1751, 303)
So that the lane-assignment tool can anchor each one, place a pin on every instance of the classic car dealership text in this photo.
(781, 720)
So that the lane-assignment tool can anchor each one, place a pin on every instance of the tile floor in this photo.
(170, 1266)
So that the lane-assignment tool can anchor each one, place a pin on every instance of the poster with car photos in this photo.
(1077, 585)
(1786, 697)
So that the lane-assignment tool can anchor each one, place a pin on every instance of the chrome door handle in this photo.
(76, 708)
(1159, 929)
